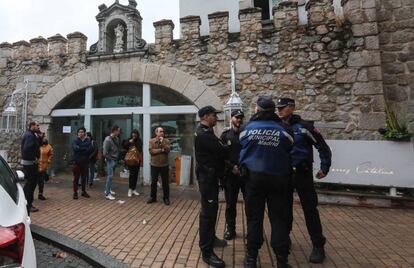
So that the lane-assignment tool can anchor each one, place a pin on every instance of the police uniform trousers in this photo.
(303, 183)
(274, 191)
(209, 191)
(234, 184)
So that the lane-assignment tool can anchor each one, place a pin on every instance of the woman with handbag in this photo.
(132, 160)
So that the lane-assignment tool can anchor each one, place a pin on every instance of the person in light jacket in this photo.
(159, 147)
(111, 154)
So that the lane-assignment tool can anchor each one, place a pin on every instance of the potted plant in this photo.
(396, 130)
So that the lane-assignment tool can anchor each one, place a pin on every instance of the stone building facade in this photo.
(337, 68)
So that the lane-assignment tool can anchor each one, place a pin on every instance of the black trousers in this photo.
(274, 191)
(209, 190)
(163, 172)
(234, 184)
(31, 173)
(133, 176)
(303, 183)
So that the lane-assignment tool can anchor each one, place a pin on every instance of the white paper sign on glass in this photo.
(67, 129)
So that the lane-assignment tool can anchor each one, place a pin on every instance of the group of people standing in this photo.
(265, 159)
(36, 155)
(85, 153)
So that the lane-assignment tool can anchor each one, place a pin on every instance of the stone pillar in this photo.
(320, 12)
(58, 45)
(6, 51)
(285, 15)
(21, 50)
(163, 34)
(190, 28)
(219, 31)
(76, 43)
(364, 64)
(38, 48)
(250, 24)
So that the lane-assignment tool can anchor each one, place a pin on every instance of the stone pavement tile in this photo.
(356, 237)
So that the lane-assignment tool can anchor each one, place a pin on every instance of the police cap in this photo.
(283, 102)
(237, 113)
(266, 103)
(207, 110)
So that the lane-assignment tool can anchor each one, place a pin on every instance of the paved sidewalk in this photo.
(357, 237)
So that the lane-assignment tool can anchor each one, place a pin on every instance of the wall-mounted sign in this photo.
(378, 163)
(66, 129)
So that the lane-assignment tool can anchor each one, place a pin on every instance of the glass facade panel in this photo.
(102, 126)
(117, 95)
(61, 142)
(179, 129)
(73, 101)
(162, 96)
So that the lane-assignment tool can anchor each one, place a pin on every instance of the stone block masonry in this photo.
(337, 68)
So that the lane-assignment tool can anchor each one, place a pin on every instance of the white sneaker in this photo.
(112, 192)
(110, 197)
(135, 192)
(129, 192)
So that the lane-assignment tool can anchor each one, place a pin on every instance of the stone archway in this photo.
(181, 82)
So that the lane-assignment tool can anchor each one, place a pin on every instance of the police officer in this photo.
(233, 181)
(210, 153)
(306, 136)
(265, 157)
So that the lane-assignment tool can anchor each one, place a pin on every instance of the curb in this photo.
(90, 254)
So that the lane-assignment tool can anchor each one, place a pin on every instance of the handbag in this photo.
(132, 157)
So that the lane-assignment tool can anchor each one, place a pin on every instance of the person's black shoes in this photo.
(317, 255)
(230, 234)
(33, 209)
(151, 200)
(282, 261)
(249, 262)
(214, 261)
(167, 201)
(41, 197)
(85, 194)
(219, 242)
(75, 195)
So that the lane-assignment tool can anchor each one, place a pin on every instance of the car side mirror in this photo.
(19, 175)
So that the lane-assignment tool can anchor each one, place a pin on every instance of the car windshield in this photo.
(7, 180)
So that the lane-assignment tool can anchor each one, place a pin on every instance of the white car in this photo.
(16, 242)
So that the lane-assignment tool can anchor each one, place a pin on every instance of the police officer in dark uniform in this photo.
(233, 181)
(265, 161)
(210, 153)
(306, 136)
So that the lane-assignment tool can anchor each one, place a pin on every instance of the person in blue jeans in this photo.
(111, 148)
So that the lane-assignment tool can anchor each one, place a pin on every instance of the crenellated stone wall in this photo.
(337, 68)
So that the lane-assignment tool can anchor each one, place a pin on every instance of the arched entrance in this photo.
(140, 96)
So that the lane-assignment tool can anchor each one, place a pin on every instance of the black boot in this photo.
(249, 261)
(317, 255)
(230, 233)
(282, 261)
(213, 260)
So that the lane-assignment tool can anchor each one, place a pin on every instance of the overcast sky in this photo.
(26, 19)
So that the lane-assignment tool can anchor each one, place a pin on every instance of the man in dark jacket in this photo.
(306, 136)
(30, 150)
(210, 153)
(265, 161)
(82, 148)
(233, 181)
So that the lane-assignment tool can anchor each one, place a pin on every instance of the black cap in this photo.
(237, 113)
(266, 103)
(283, 102)
(207, 110)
